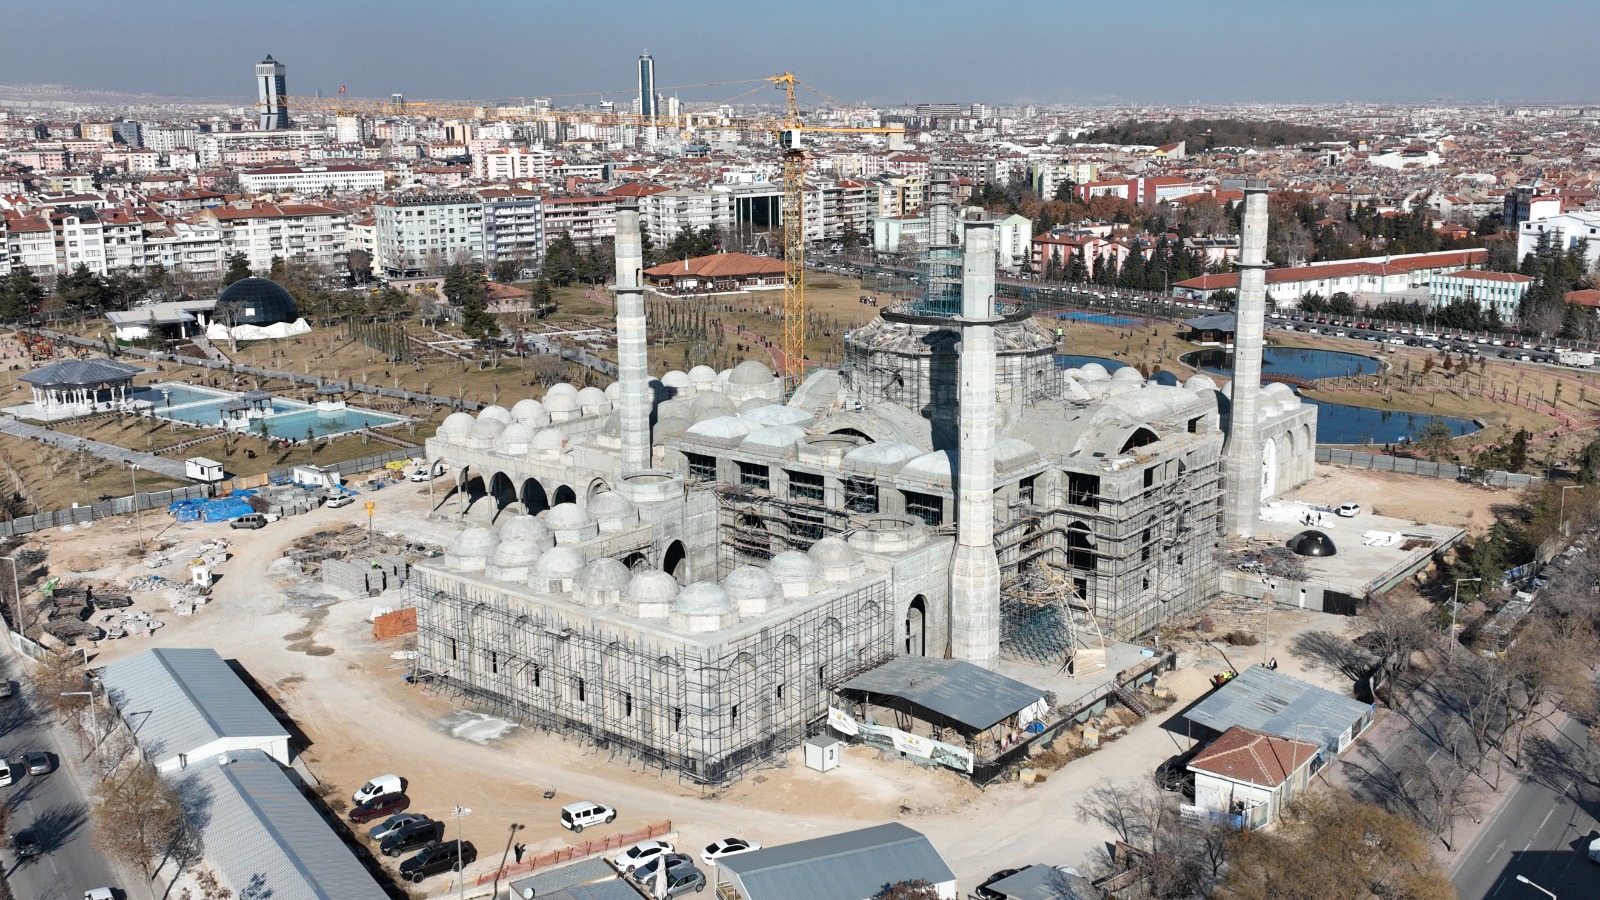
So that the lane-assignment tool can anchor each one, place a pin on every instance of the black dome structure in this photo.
(254, 301)
(1313, 543)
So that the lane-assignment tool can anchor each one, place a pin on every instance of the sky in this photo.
(882, 52)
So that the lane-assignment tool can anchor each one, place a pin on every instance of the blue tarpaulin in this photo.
(219, 510)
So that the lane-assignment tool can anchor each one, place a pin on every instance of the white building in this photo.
(1252, 775)
(421, 234)
(1501, 292)
(1565, 231)
(513, 228)
(315, 234)
(334, 179)
(512, 164)
(212, 145)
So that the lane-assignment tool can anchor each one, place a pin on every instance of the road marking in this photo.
(1497, 886)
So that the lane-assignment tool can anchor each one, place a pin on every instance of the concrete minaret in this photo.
(974, 568)
(1241, 456)
(633, 362)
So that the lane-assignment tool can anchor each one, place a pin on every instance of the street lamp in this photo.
(1524, 880)
(515, 827)
(1455, 601)
(1561, 517)
(93, 711)
(461, 876)
(138, 521)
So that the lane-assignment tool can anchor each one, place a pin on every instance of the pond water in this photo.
(1341, 424)
(1097, 318)
(1288, 361)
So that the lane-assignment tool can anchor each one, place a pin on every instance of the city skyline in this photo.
(1024, 52)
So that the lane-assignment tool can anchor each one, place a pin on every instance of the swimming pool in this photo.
(293, 425)
(1097, 318)
(1301, 362)
(289, 419)
(168, 394)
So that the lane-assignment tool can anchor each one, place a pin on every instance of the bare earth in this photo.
(1433, 500)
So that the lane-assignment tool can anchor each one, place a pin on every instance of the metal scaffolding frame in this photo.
(753, 525)
(710, 714)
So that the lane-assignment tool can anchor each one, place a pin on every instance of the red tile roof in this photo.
(718, 265)
(1253, 757)
(1476, 275)
(1588, 297)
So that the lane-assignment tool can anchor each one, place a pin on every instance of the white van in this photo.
(582, 814)
(377, 787)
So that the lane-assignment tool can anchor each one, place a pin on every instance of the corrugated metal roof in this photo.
(959, 691)
(1217, 322)
(1045, 883)
(81, 371)
(554, 880)
(264, 837)
(179, 699)
(615, 889)
(846, 866)
(1266, 700)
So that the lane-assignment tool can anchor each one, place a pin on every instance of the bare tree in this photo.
(1436, 791)
(138, 818)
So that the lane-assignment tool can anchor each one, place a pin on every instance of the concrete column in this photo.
(633, 361)
(974, 568)
(1241, 461)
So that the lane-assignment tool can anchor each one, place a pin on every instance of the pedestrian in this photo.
(519, 850)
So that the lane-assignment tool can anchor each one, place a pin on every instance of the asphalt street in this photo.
(1542, 833)
(54, 805)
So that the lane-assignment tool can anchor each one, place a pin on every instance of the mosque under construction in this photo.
(687, 568)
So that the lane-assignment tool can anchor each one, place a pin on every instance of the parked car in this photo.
(9, 773)
(249, 520)
(411, 836)
(7, 689)
(26, 843)
(381, 830)
(683, 882)
(580, 815)
(386, 805)
(39, 763)
(441, 857)
(639, 854)
(983, 889)
(726, 847)
(675, 863)
(99, 894)
(377, 787)
(338, 500)
(1349, 510)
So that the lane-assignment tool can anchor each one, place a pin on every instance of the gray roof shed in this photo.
(856, 865)
(265, 838)
(1264, 699)
(959, 692)
(1214, 322)
(180, 699)
(615, 889)
(544, 884)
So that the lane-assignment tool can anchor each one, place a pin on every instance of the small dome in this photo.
(605, 574)
(833, 553)
(774, 414)
(549, 440)
(455, 426)
(1093, 372)
(531, 411)
(609, 505)
(775, 437)
(792, 565)
(652, 586)
(515, 439)
(703, 599)
(1312, 542)
(560, 562)
(496, 412)
(562, 389)
(749, 583)
(670, 426)
(567, 517)
(592, 399)
(484, 433)
(512, 554)
(700, 376)
(711, 405)
(1200, 381)
(753, 403)
(725, 427)
(525, 529)
(475, 541)
(561, 403)
(613, 391)
(1127, 375)
(254, 301)
(676, 379)
(750, 373)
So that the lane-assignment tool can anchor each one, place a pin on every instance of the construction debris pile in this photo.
(354, 560)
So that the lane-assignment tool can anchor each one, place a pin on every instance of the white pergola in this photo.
(81, 383)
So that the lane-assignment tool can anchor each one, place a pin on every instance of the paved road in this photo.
(55, 805)
(1542, 832)
(172, 468)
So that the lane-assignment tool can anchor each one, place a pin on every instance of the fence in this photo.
(1407, 466)
(123, 506)
(574, 852)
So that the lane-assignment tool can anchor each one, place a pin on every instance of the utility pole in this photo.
(138, 520)
(515, 827)
(461, 878)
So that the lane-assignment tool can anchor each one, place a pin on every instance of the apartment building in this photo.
(422, 233)
(513, 228)
(512, 164)
(313, 180)
(587, 218)
(316, 234)
(212, 145)
(1500, 292)
(31, 243)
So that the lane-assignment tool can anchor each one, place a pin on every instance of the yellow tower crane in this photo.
(787, 131)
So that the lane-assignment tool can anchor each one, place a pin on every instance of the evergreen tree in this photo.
(238, 268)
(20, 294)
(561, 260)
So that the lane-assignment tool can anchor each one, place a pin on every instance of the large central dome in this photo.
(254, 301)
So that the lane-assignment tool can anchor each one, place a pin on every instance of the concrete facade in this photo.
(1242, 463)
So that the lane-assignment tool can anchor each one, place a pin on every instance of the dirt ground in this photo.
(1433, 500)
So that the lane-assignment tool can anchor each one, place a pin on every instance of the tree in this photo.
(358, 263)
(1328, 846)
(238, 269)
(20, 294)
(561, 260)
(919, 889)
(210, 888)
(60, 673)
(138, 817)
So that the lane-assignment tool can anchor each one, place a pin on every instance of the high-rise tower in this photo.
(974, 568)
(647, 86)
(1241, 455)
(271, 86)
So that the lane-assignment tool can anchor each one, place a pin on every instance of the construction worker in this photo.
(1061, 334)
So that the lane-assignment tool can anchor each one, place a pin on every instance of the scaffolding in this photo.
(708, 713)
(754, 525)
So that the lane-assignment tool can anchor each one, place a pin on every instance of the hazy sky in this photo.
(879, 51)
